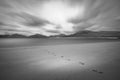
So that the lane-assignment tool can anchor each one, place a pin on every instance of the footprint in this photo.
(97, 71)
(55, 55)
(94, 70)
(62, 56)
(81, 63)
(100, 72)
(48, 51)
(52, 52)
(69, 59)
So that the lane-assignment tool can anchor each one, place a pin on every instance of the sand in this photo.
(81, 61)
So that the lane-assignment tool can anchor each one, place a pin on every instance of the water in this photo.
(59, 59)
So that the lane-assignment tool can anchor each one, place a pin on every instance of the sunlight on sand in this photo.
(63, 58)
(52, 63)
(59, 63)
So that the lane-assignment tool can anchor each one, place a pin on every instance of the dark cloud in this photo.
(53, 31)
(1, 23)
(83, 26)
(102, 13)
(32, 21)
(4, 4)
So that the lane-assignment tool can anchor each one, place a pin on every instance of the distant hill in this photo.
(37, 36)
(99, 34)
(92, 34)
(22, 36)
(13, 36)
(96, 34)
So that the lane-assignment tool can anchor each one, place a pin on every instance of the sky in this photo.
(55, 17)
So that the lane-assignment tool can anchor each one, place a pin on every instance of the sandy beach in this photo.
(52, 60)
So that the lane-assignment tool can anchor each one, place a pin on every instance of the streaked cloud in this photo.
(54, 17)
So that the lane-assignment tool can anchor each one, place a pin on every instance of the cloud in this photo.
(1, 23)
(31, 20)
(26, 16)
